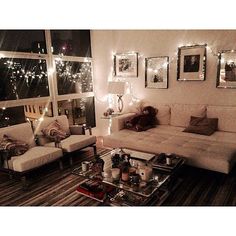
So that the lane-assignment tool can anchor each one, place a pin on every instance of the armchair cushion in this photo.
(54, 131)
(75, 142)
(15, 147)
(35, 157)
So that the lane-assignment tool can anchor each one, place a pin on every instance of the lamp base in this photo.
(120, 103)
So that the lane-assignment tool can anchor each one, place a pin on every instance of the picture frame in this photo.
(126, 64)
(226, 69)
(157, 72)
(191, 64)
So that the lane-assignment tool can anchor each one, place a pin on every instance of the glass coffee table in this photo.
(124, 193)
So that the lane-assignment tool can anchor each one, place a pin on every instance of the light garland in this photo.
(135, 99)
(84, 76)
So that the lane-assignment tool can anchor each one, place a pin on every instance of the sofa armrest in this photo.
(118, 122)
(76, 129)
(80, 129)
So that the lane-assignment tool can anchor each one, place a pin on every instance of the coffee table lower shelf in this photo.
(111, 196)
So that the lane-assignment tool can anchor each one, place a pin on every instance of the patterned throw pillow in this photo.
(54, 131)
(15, 147)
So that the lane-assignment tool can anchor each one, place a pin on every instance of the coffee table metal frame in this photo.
(158, 180)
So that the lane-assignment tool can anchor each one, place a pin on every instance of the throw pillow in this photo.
(54, 131)
(15, 147)
(202, 125)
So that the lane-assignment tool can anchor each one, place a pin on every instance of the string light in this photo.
(172, 59)
(66, 74)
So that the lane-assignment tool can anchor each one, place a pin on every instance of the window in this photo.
(23, 41)
(23, 78)
(78, 111)
(38, 110)
(73, 77)
(12, 116)
(28, 77)
(71, 42)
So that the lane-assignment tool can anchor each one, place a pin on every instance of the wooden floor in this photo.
(52, 187)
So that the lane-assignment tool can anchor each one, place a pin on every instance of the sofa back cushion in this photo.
(163, 113)
(226, 117)
(22, 132)
(181, 113)
(39, 125)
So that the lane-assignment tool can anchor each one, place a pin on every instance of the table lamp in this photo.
(117, 88)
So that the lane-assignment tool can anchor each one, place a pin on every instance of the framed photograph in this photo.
(226, 72)
(126, 65)
(156, 72)
(191, 63)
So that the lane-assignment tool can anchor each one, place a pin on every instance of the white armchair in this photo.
(35, 157)
(77, 140)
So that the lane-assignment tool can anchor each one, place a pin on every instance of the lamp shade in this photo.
(116, 87)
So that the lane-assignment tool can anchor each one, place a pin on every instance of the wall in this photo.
(162, 43)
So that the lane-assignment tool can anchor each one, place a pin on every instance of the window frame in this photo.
(50, 58)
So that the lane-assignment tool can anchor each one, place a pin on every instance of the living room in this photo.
(94, 85)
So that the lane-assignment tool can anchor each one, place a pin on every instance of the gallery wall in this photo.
(161, 43)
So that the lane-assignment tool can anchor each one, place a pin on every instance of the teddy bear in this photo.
(144, 121)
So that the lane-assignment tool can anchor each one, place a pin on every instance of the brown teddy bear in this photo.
(144, 121)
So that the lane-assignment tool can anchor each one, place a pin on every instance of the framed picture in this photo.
(191, 63)
(156, 72)
(126, 65)
(226, 72)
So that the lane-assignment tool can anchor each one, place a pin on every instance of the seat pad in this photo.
(216, 152)
(34, 157)
(75, 142)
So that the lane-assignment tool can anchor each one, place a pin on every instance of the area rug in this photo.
(49, 186)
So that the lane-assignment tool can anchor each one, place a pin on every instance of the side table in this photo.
(109, 118)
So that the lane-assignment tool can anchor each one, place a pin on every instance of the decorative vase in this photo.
(98, 164)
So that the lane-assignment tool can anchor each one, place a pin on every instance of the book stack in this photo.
(94, 189)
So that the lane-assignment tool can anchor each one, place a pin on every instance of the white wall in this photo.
(161, 43)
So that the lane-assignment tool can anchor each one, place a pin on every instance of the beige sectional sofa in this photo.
(216, 152)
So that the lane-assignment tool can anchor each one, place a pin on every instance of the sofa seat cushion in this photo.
(214, 155)
(34, 157)
(75, 142)
(219, 136)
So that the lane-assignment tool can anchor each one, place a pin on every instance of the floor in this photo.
(50, 186)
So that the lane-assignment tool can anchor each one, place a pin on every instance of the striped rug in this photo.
(48, 186)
